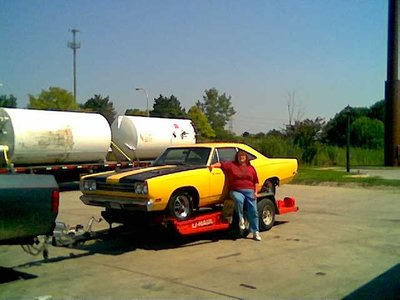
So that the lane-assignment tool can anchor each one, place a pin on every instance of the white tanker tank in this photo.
(149, 136)
(50, 137)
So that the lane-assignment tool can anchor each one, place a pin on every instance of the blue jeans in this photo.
(245, 198)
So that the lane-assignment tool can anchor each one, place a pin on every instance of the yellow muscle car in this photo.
(180, 181)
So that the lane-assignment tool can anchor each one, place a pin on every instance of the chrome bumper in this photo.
(118, 203)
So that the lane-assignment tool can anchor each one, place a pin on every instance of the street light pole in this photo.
(147, 99)
(348, 110)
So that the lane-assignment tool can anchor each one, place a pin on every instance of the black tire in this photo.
(180, 205)
(266, 214)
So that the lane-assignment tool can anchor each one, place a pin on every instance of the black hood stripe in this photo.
(159, 172)
(103, 177)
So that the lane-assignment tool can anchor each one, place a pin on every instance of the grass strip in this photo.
(318, 176)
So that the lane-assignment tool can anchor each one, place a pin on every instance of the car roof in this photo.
(242, 146)
(212, 145)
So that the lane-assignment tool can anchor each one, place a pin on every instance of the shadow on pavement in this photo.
(124, 240)
(120, 240)
(8, 275)
(385, 286)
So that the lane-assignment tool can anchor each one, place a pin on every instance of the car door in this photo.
(218, 183)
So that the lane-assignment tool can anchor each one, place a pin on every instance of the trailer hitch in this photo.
(65, 235)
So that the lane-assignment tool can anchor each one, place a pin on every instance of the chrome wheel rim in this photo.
(181, 206)
(267, 216)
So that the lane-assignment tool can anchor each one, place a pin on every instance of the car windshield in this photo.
(197, 156)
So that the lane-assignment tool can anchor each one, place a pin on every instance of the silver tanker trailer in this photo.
(67, 144)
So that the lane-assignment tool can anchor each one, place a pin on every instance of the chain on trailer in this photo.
(40, 246)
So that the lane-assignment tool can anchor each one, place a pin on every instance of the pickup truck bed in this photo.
(28, 207)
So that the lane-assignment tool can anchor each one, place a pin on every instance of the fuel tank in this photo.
(146, 137)
(49, 137)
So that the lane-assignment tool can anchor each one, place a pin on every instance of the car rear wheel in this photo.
(180, 205)
(266, 214)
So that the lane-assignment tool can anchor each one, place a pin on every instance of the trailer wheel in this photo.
(180, 205)
(266, 214)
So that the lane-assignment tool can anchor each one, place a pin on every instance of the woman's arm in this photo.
(216, 165)
(256, 189)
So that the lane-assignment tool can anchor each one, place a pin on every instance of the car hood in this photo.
(142, 174)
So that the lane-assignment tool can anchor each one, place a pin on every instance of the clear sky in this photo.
(326, 53)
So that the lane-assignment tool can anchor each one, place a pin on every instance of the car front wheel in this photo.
(180, 205)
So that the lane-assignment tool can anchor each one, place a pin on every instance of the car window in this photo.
(198, 156)
(249, 155)
(226, 154)
(192, 156)
(174, 156)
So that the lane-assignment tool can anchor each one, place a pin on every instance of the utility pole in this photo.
(74, 45)
(392, 89)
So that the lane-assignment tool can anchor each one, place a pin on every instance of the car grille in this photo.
(102, 186)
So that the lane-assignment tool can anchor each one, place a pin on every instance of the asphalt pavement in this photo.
(343, 243)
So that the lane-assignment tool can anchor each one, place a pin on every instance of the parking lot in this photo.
(342, 243)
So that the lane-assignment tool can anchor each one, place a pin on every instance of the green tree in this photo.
(168, 108)
(200, 122)
(305, 133)
(246, 134)
(367, 133)
(54, 98)
(276, 133)
(218, 109)
(135, 112)
(9, 101)
(377, 111)
(335, 130)
(103, 106)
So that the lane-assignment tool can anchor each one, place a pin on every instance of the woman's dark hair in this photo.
(239, 153)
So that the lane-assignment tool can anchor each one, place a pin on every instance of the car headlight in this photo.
(141, 188)
(88, 185)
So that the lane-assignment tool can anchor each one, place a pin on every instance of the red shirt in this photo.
(240, 176)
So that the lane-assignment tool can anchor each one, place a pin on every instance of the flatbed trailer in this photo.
(222, 220)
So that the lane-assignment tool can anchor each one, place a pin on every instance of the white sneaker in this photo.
(256, 236)
(242, 225)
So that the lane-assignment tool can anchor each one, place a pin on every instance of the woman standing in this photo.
(243, 187)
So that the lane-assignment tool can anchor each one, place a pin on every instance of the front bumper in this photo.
(119, 203)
